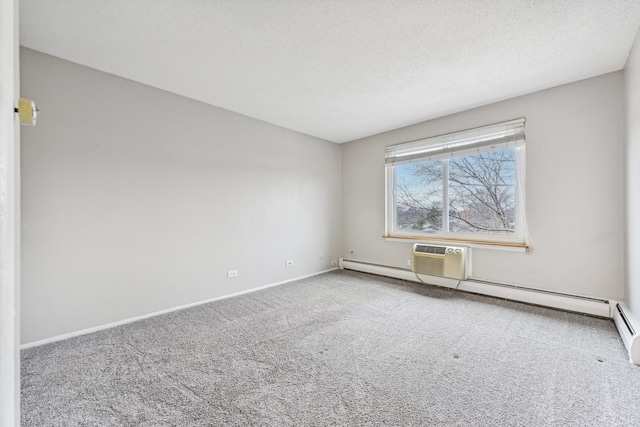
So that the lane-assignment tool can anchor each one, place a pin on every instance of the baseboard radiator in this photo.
(575, 303)
(628, 328)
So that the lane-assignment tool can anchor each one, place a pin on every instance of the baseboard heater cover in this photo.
(575, 303)
(395, 272)
(628, 328)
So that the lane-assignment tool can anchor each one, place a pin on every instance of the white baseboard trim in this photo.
(576, 303)
(628, 328)
(158, 313)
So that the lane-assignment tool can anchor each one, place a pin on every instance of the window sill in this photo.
(501, 246)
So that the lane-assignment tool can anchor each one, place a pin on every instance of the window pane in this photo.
(482, 193)
(418, 197)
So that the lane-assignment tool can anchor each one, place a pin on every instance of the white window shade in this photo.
(487, 138)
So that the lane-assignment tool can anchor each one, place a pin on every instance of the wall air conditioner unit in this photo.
(442, 261)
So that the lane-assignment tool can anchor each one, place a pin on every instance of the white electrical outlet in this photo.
(232, 273)
(334, 262)
(290, 263)
(408, 262)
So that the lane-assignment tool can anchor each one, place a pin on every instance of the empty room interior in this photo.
(324, 213)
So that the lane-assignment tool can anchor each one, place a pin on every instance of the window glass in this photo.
(419, 197)
(482, 193)
(468, 197)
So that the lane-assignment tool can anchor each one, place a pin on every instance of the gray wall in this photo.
(136, 200)
(574, 190)
(632, 181)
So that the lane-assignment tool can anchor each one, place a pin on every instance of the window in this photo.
(463, 186)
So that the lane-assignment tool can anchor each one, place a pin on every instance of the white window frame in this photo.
(465, 143)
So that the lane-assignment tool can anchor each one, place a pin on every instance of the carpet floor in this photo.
(342, 348)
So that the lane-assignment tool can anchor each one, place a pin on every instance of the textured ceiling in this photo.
(339, 69)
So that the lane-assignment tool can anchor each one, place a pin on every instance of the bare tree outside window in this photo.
(481, 191)
(419, 197)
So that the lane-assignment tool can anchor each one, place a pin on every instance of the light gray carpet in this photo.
(342, 348)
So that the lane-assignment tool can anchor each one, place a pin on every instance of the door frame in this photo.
(9, 217)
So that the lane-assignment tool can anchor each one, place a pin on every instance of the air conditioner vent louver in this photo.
(439, 250)
(442, 261)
